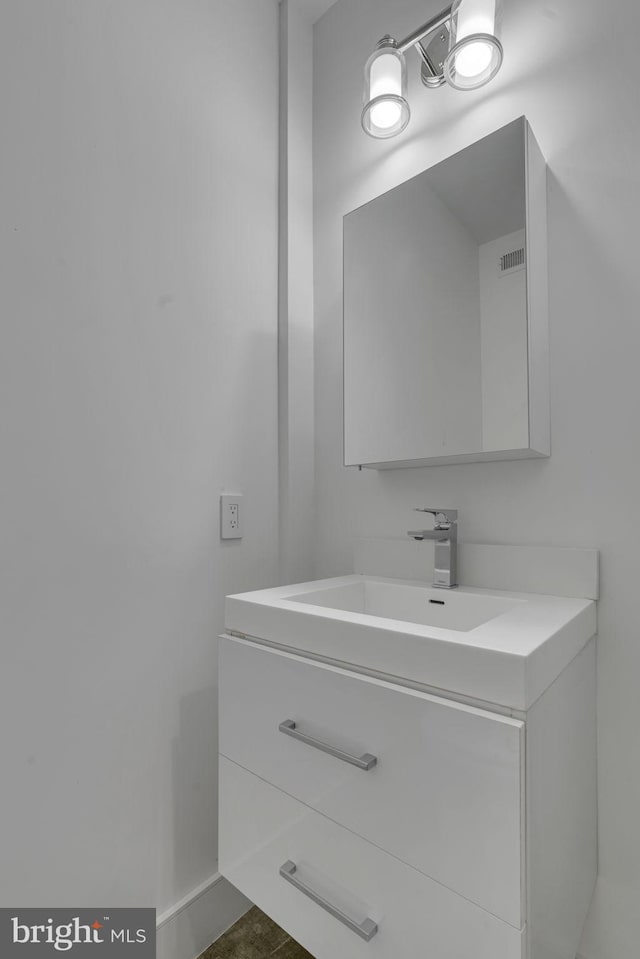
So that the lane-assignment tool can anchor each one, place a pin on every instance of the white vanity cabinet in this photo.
(369, 818)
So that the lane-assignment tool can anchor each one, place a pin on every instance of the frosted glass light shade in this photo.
(386, 111)
(475, 51)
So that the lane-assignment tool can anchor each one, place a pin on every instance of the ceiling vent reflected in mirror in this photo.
(510, 262)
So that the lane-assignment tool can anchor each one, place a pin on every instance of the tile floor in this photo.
(255, 936)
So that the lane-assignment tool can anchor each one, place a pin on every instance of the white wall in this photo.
(503, 347)
(295, 323)
(138, 358)
(586, 121)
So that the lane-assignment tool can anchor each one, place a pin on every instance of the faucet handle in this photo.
(443, 517)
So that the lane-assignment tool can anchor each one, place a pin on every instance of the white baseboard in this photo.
(187, 928)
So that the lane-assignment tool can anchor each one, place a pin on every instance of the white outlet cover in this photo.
(231, 518)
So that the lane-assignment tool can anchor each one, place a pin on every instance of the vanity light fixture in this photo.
(460, 46)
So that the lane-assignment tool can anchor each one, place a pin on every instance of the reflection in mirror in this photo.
(436, 331)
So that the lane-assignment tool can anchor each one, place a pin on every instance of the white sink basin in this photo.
(503, 648)
(446, 609)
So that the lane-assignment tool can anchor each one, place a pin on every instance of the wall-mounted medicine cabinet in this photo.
(445, 312)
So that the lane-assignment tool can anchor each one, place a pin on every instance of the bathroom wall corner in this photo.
(199, 919)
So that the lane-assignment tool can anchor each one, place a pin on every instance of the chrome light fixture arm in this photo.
(425, 30)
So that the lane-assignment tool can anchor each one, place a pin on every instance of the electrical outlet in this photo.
(231, 516)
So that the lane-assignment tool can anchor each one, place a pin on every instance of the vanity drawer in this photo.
(444, 794)
(262, 829)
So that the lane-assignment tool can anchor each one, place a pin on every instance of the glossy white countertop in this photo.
(508, 660)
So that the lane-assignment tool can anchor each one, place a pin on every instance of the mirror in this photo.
(445, 312)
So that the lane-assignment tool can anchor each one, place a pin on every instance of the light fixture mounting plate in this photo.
(433, 51)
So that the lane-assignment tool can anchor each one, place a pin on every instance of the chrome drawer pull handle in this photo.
(366, 930)
(366, 762)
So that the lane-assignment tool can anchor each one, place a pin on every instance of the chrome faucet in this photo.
(445, 534)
